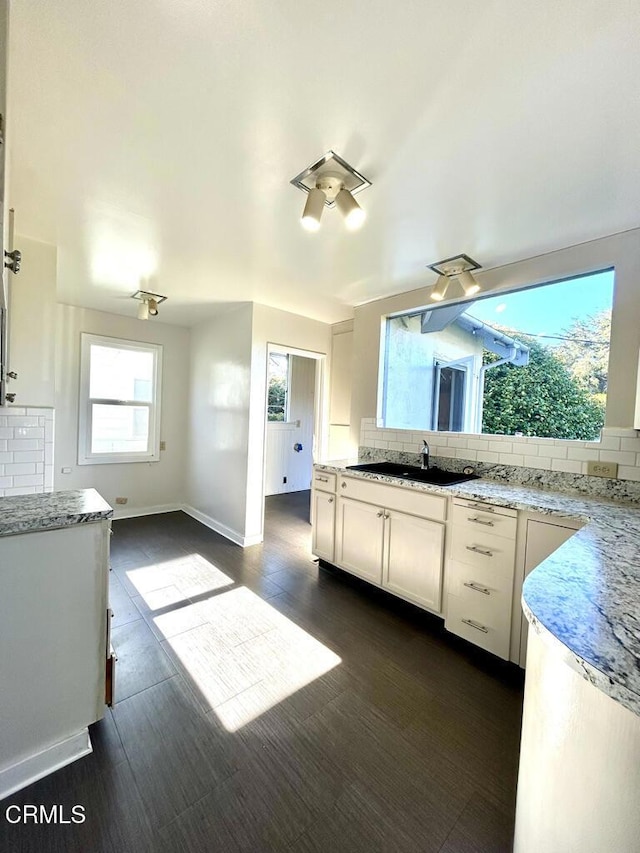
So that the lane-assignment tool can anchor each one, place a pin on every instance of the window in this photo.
(119, 401)
(532, 362)
(278, 387)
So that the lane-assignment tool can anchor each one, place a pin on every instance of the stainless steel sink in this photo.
(435, 476)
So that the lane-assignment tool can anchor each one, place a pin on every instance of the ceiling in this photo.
(153, 142)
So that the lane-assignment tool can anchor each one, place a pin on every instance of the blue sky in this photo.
(549, 309)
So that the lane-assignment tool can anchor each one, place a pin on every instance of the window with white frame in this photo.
(120, 385)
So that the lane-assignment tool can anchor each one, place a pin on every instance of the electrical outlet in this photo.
(602, 469)
(121, 501)
(163, 445)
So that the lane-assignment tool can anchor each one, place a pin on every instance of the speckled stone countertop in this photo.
(29, 513)
(585, 597)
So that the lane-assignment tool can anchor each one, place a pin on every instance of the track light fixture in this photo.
(331, 182)
(149, 302)
(458, 267)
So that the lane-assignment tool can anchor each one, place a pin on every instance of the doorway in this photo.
(291, 414)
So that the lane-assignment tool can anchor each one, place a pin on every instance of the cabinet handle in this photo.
(477, 550)
(380, 514)
(475, 625)
(480, 521)
(477, 588)
(322, 479)
(386, 515)
(344, 485)
(483, 507)
(330, 500)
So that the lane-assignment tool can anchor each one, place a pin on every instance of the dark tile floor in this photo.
(265, 704)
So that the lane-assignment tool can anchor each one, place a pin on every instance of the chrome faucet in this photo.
(425, 456)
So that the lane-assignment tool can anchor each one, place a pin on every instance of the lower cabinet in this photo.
(395, 550)
(324, 521)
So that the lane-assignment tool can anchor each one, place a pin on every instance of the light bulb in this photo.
(353, 214)
(439, 289)
(313, 208)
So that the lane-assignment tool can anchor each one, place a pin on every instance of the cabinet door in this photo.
(359, 542)
(413, 559)
(324, 518)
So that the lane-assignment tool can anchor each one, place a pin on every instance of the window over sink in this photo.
(120, 389)
(532, 362)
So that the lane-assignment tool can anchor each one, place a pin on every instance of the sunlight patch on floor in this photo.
(247, 657)
(190, 575)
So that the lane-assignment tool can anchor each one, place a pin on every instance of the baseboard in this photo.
(222, 529)
(42, 763)
(135, 511)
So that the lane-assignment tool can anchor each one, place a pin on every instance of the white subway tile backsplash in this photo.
(627, 472)
(512, 459)
(617, 456)
(20, 468)
(617, 444)
(22, 444)
(569, 466)
(581, 454)
(543, 462)
(488, 456)
(23, 454)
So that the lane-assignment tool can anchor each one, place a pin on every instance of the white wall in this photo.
(32, 324)
(220, 386)
(147, 485)
(621, 251)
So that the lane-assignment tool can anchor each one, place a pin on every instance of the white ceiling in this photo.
(153, 141)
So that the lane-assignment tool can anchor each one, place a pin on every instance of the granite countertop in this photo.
(30, 513)
(585, 597)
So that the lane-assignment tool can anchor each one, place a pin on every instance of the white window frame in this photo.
(85, 456)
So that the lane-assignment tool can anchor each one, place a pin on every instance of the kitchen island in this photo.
(54, 565)
(579, 781)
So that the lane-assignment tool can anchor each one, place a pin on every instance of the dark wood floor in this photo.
(269, 705)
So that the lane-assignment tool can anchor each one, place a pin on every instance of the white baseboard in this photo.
(135, 511)
(42, 763)
(222, 529)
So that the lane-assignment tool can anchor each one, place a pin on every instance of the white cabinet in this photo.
(359, 545)
(540, 536)
(480, 572)
(413, 559)
(53, 637)
(323, 512)
(389, 547)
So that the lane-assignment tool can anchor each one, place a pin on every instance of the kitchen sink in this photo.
(435, 476)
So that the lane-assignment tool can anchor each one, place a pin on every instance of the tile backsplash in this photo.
(547, 462)
(26, 450)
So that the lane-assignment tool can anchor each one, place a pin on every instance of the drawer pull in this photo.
(477, 520)
(330, 500)
(344, 485)
(483, 507)
(322, 479)
(380, 514)
(477, 587)
(477, 550)
(475, 625)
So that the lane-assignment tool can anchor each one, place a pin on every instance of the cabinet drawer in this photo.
(485, 627)
(484, 519)
(324, 481)
(478, 580)
(481, 506)
(394, 497)
(482, 549)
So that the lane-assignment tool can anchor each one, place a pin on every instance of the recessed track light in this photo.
(331, 182)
